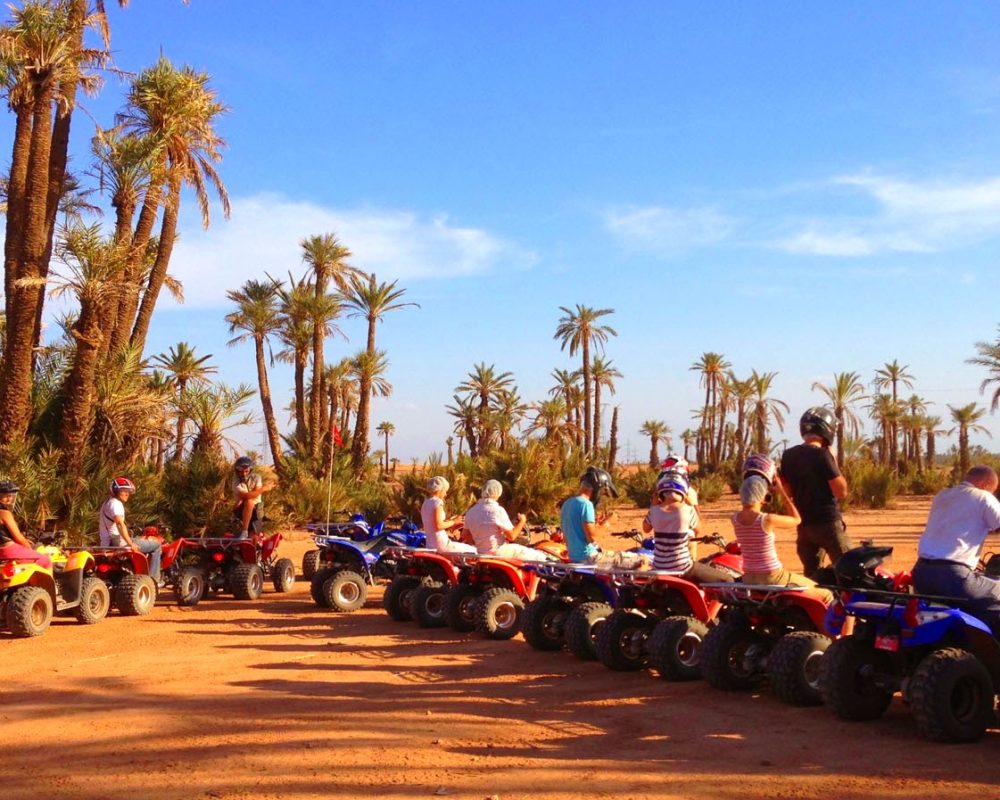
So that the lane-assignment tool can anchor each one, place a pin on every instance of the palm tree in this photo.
(568, 386)
(327, 257)
(507, 413)
(765, 410)
(178, 109)
(602, 373)
(891, 375)
(712, 367)
(655, 430)
(386, 429)
(466, 419)
(742, 393)
(613, 442)
(485, 385)
(369, 369)
(185, 368)
(845, 390)
(550, 419)
(256, 318)
(371, 301)
(450, 444)
(215, 410)
(989, 357)
(966, 419)
(579, 330)
(688, 438)
(932, 427)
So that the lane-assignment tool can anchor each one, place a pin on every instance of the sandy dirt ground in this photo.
(278, 699)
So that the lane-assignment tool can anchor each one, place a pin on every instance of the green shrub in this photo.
(929, 483)
(871, 485)
(710, 487)
(638, 485)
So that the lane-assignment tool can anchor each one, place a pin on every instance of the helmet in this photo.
(243, 462)
(673, 482)
(597, 480)
(121, 484)
(858, 568)
(674, 463)
(757, 464)
(9, 487)
(818, 421)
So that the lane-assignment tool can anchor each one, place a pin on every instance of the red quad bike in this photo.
(126, 573)
(423, 578)
(661, 618)
(781, 633)
(198, 566)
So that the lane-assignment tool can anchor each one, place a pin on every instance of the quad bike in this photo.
(346, 568)
(661, 618)
(418, 589)
(944, 660)
(30, 593)
(350, 526)
(199, 566)
(780, 632)
(572, 600)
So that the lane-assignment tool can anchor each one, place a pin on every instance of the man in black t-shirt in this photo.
(811, 476)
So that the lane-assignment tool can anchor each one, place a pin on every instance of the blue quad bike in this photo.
(572, 600)
(343, 523)
(346, 568)
(944, 660)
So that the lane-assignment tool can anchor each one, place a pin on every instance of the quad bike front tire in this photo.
(345, 590)
(29, 611)
(544, 622)
(847, 680)
(727, 657)
(952, 696)
(580, 630)
(246, 581)
(460, 607)
(499, 613)
(622, 639)
(95, 601)
(427, 605)
(793, 667)
(135, 595)
(396, 597)
(283, 575)
(190, 586)
(310, 563)
(674, 648)
(319, 578)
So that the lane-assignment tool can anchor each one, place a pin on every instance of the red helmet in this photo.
(757, 464)
(121, 484)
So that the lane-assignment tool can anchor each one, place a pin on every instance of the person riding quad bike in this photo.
(114, 532)
(13, 544)
(248, 489)
(578, 516)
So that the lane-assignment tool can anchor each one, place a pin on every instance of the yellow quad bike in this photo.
(31, 593)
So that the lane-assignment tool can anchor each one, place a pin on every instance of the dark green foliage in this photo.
(196, 496)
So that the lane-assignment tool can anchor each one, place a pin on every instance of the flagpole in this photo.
(334, 436)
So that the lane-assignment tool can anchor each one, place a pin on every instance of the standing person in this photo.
(950, 546)
(13, 544)
(578, 516)
(811, 476)
(493, 532)
(114, 532)
(247, 488)
(436, 525)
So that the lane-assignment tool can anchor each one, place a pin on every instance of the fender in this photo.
(692, 595)
(434, 565)
(170, 552)
(269, 545)
(80, 560)
(814, 608)
(509, 573)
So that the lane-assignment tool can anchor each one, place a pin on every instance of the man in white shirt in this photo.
(960, 519)
(114, 532)
(491, 528)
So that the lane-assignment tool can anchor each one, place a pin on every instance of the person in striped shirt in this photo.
(673, 521)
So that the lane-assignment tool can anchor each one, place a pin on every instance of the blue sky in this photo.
(807, 188)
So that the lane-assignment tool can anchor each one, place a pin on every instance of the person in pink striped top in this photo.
(755, 531)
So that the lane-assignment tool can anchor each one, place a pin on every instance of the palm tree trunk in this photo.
(613, 441)
(840, 435)
(124, 211)
(587, 419)
(597, 417)
(931, 454)
(387, 451)
(181, 423)
(301, 360)
(963, 449)
(265, 401)
(16, 187)
(77, 414)
(359, 443)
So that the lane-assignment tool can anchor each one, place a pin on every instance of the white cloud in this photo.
(264, 232)
(671, 229)
(908, 217)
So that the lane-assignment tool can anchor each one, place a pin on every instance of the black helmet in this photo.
(597, 480)
(818, 421)
(856, 569)
(243, 462)
(9, 487)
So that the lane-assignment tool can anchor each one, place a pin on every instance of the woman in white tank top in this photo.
(436, 525)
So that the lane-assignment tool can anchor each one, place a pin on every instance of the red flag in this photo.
(335, 430)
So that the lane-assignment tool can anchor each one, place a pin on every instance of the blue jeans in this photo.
(950, 579)
(151, 548)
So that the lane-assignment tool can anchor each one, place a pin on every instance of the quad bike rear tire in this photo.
(622, 638)
(499, 613)
(793, 667)
(427, 605)
(345, 590)
(29, 611)
(95, 601)
(460, 607)
(135, 595)
(190, 586)
(246, 581)
(396, 598)
(952, 696)
(310, 563)
(283, 575)
(846, 680)
(727, 658)
(580, 630)
(544, 621)
(320, 577)
(674, 648)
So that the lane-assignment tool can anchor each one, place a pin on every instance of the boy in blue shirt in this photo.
(578, 517)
